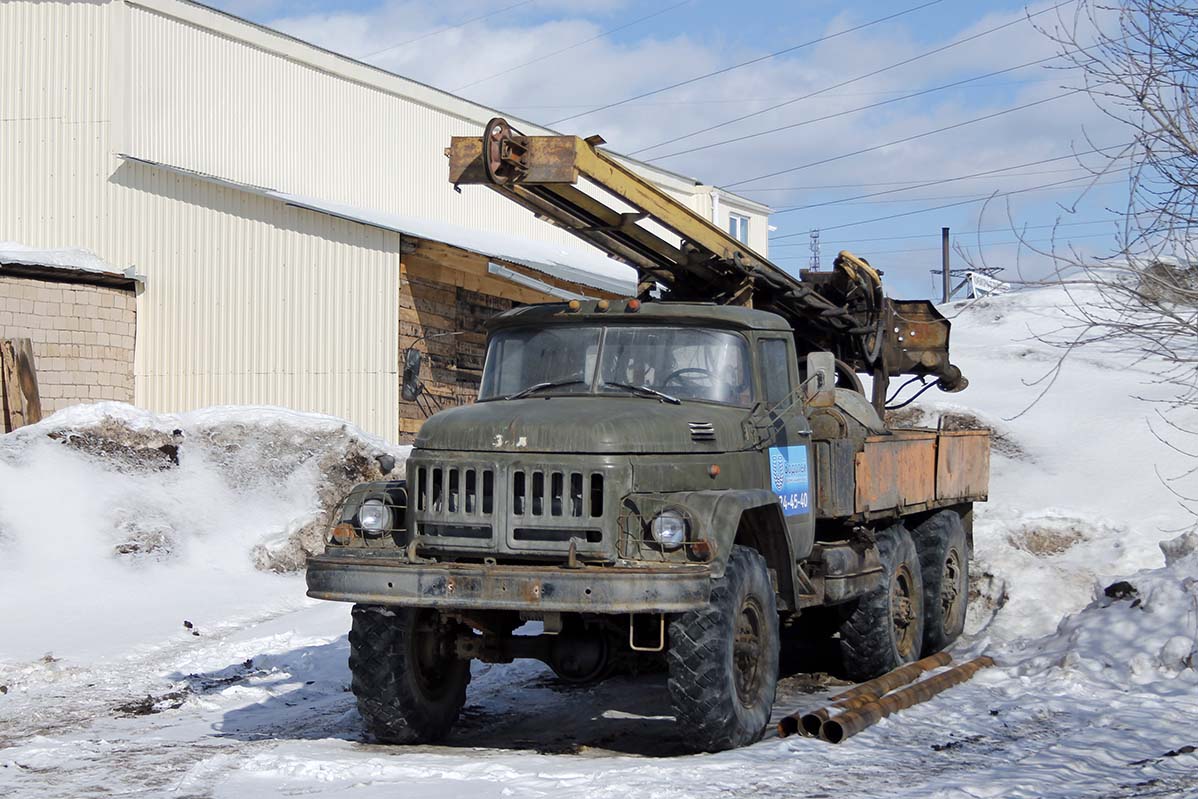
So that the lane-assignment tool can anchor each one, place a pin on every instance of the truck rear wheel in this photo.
(944, 558)
(885, 628)
(723, 658)
(409, 682)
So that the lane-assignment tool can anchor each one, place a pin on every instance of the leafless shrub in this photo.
(1137, 61)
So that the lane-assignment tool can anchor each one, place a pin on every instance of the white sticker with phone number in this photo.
(789, 480)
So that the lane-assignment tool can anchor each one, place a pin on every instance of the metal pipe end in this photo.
(789, 725)
(832, 731)
(813, 722)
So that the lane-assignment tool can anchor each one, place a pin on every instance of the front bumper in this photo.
(590, 589)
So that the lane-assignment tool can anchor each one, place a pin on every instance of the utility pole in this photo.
(948, 286)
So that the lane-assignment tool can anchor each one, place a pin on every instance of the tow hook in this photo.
(572, 556)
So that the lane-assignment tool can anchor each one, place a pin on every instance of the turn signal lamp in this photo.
(343, 533)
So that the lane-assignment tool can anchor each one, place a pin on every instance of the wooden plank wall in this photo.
(447, 290)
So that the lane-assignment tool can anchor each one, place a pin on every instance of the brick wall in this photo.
(82, 338)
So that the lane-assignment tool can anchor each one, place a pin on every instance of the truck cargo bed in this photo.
(906, 471)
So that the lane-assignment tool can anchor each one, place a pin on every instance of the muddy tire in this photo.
(409, 684)
(944, 559)
(723, 658)
(884, 629)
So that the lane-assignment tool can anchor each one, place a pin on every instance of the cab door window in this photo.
(774, 358)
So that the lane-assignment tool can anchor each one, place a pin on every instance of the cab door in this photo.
(788, 452)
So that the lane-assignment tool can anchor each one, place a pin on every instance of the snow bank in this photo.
(116, 524)
(1136, 631)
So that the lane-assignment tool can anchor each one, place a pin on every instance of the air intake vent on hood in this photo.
(702, 431)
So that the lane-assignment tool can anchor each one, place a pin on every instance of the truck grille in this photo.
(568, 494)
(462, 504)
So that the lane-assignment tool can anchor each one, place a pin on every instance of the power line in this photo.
(983, 244)
(637, 21)
(905, 139)
(936, 197)
(748, 100)
(942, 181)
(920, 183)
(936, 234)
(812, 121)
(757, 60)
(446, 28)
(926, 210)
(895, 65)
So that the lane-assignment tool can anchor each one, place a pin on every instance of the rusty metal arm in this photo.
(844, 311)
(542, 173)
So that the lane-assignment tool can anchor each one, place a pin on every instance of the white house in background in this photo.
(284, 208)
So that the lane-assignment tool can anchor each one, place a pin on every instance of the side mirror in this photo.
(412, 386)
(819, 390)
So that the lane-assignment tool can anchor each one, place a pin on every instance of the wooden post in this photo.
(22, 402)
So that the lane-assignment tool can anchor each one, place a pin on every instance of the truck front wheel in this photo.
(407, 678)
(723, 658)
(885, 628)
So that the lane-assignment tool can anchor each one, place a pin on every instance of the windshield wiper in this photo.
(524, 392)
(646, 391)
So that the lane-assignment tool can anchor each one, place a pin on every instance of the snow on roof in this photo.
(565, 263)
(574, 265)
(74, 260)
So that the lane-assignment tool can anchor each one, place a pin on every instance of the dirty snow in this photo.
(113, 544)
(1088, 599)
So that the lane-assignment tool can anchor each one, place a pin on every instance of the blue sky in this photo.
(666, 41)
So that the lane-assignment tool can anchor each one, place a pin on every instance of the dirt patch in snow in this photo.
(130, 450)
(1047, 541)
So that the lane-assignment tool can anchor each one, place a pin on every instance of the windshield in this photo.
(680, 362)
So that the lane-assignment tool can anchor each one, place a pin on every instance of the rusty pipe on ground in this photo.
(849, 723)
(858, 695)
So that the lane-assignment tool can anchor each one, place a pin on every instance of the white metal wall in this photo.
(249, 301)
(53, 123)
(246, 300)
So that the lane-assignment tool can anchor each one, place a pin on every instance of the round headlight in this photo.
(668, 528)
(374, 516)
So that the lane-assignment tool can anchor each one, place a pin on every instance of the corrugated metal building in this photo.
(278, 202)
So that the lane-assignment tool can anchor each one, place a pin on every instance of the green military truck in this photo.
(670, 480)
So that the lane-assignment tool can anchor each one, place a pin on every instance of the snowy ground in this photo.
(1096, 696)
